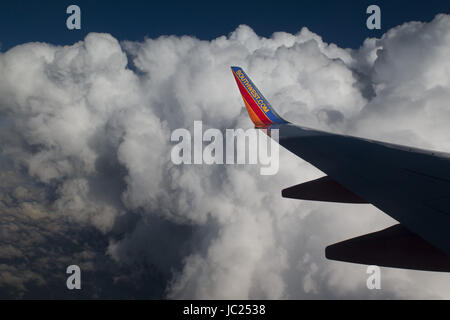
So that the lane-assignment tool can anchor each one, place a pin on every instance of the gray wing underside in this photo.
(410, 185)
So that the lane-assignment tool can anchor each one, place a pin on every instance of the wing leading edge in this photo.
(410, 185)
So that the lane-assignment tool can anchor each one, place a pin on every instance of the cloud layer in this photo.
(86, 150)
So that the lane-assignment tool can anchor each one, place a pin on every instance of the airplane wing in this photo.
(409, 184)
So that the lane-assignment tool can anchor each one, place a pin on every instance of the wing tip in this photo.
(258, 108)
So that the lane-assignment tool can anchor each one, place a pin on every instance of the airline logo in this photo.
(252, 91)
(258, 108)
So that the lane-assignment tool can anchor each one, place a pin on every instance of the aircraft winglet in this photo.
(258, 108)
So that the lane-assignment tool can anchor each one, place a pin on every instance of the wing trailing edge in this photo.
(394, 247)
(322, 189)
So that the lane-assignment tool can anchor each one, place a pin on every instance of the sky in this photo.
(86, 119)
(340, 22)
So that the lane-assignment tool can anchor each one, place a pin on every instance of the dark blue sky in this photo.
(341, 22)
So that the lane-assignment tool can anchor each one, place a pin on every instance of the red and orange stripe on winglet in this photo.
(258, 108)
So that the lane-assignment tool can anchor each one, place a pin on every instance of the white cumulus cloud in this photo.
(90, 129)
